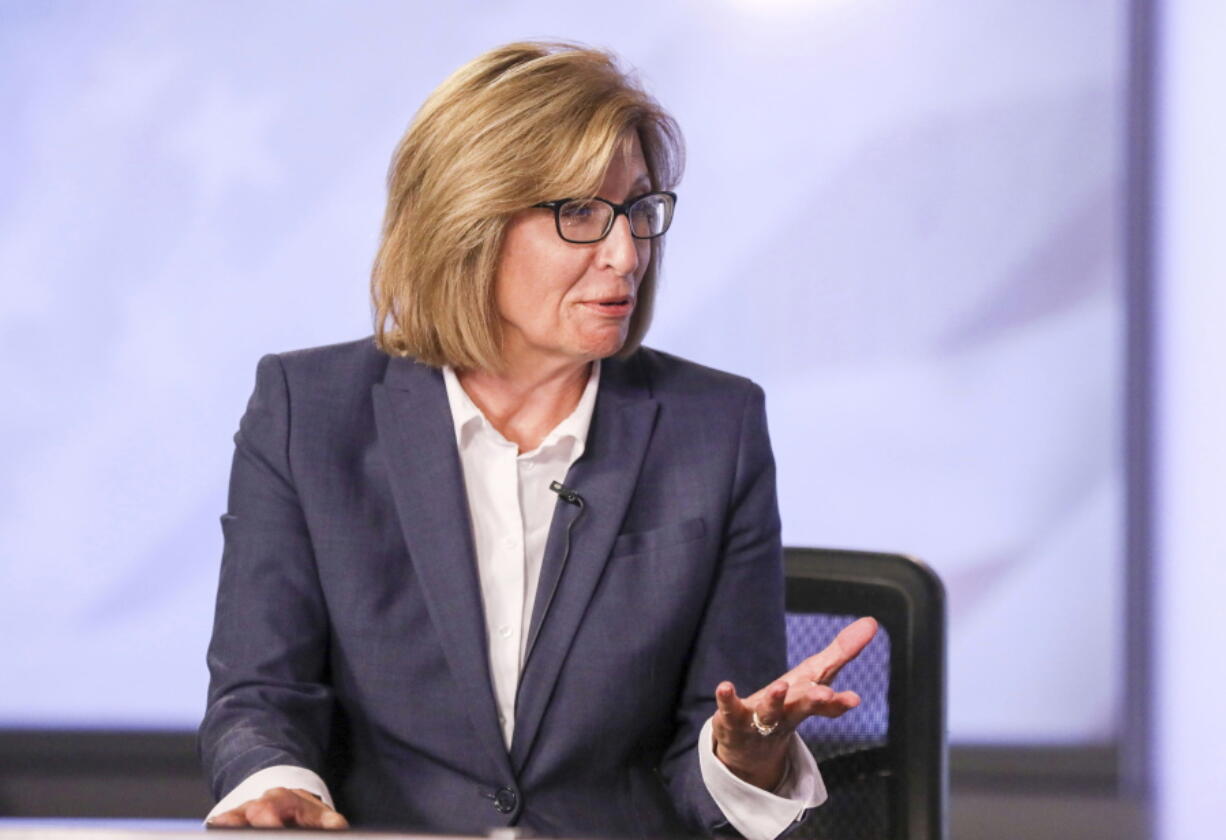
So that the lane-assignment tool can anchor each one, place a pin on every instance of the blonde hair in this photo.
(523, 123)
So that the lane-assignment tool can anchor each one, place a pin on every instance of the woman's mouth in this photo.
(612, 307)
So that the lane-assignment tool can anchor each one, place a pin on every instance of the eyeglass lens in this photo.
(588, 220)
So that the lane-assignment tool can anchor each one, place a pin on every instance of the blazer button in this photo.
(505, 800)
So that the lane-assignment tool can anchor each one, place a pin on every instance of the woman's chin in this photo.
(607, 345)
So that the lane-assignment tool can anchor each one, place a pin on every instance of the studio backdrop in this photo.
(901, 218)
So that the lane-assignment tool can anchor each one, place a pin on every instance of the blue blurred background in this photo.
(914, 223)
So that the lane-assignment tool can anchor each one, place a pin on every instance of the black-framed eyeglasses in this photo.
(587, 220)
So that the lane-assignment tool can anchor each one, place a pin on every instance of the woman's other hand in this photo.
(741, 743)
(281, 808)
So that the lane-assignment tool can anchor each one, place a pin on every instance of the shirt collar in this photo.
(468, 420)
(464, 412)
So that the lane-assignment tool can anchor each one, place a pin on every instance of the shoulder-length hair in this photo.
(523, 123)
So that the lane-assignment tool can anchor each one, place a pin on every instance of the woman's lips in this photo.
(611, 307)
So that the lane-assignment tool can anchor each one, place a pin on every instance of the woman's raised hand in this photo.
(752, 733)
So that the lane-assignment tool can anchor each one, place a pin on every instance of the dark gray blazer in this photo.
(349, 636)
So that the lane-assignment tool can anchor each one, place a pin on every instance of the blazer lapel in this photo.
(605, 478)
(418, 442)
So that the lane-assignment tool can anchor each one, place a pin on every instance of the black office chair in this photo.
(884, 762)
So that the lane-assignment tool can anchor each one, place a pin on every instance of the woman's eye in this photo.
(578, 211)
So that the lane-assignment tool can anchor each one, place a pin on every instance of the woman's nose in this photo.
(619, 250)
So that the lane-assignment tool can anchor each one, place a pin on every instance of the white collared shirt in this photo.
(511, 507)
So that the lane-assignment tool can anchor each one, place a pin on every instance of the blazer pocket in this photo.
(641, 542)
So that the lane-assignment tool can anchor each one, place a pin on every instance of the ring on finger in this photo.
(764, 729)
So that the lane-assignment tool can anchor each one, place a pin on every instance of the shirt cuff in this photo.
(280, 775)
(756, 813)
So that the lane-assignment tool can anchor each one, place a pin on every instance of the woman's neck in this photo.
(525, 405)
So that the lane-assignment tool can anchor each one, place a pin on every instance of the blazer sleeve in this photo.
(742, 636)
(268, 700)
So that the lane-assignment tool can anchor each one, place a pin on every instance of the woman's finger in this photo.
(847, 700)
(310, 812)
(825, 702)
(847, 645)
(229, 819)
(318, 815)
(819, 694)
(265, 813)
(731, 707)
(770, 711)
(333, 820)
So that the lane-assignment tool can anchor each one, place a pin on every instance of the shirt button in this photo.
(504, 631)
(528, 465)
(510, 542)
(505, 800)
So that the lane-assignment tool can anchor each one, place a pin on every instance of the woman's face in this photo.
(563, 302)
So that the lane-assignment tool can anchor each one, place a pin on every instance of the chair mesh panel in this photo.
(851, 750)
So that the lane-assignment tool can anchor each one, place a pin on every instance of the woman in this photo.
(502, 566)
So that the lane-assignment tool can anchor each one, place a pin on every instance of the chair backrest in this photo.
(884, 763)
